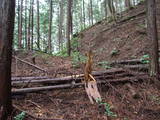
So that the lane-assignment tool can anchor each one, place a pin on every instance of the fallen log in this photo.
(30, 64)
(29, 78)
(78, 79)
(143, 68)
(127, 62)
(37, 89)
(108, 73)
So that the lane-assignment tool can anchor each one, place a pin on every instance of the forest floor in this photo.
(123, 40)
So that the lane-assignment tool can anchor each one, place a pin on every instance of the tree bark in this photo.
(84, 16)
(50, 29)
(7, 14)
(69, 14)
(128, 4)
(32, 24)
(91, 11)
(20, 26)
(60, 36)
(18, 10)
(153, 37)
(112, 9)
(26, 24)
(105, 8)
(29, 28)
(38, 27)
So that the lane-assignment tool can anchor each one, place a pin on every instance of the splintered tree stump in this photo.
(92, 91)
(90, 82)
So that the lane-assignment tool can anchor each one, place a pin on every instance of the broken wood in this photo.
(30, 64)
(111, 81)
(78, 79)
(73, 77)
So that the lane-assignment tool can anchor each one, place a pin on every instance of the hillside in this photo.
(125, 39)
(110, 41)
(126, 94)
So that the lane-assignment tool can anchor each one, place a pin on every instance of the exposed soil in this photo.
(128, 36)
(136, 101)
(128, 102)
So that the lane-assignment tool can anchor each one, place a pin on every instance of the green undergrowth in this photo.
(76, 56)
(42, 55)
(107, 106)
(115, 52)
(20, 116)
(145, 59)
(104, 64)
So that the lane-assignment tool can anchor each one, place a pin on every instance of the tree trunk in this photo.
(32, 24)
(112, 9)
(153, 37)
(84, 16)
(50, 29)
(60, 36)
(7, 14)
(128, 4)
(69, 14)
(29, 27)
(26, 24)
(18, 10)
(105, 8)
(91, 11)
(20, 26)
(38, 27)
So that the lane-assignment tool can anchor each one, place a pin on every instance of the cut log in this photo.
(37, 89)
(30, 64)
(28, 78)
(79, 79)
(126, 62)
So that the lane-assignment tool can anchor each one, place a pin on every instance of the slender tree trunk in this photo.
(89, 14)
(20, 26)
(26, 24)
(7, 14)
(50, 29)
(128, 4)
(60, 36)
(69, 14)
(112, 9)
(153, 37)
(84, 16)
(81, 18)
(29, 27)
(18, 10)
(91, 11)
(105, 8)
(71, 19)
(32, 24)
(38, 27)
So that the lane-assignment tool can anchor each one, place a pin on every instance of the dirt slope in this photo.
(127, 37)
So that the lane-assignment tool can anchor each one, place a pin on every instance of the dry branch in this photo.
(30, 64)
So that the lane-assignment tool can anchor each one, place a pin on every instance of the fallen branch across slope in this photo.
(30, 64)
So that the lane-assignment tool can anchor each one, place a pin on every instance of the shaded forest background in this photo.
(49, 25)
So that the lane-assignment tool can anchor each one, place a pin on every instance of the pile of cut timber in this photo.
(114, 75)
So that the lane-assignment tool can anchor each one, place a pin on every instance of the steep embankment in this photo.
(125, 39)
